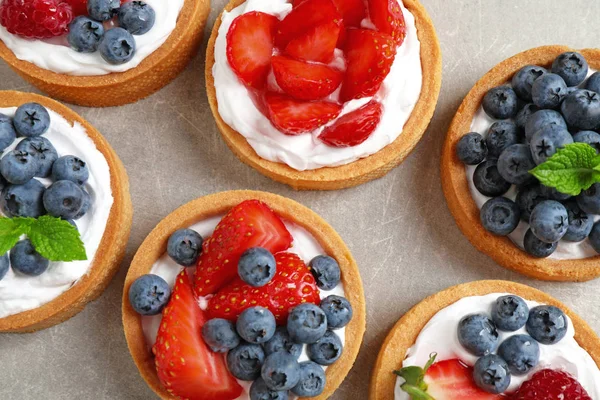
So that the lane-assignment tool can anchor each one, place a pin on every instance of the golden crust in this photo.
(361, 171)
(456, 189)
(154, 246)
(112, 247)
(404, 334)
(115, 89)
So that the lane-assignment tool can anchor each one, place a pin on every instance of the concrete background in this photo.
(398, 228)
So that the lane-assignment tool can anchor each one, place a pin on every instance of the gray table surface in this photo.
(398, 228)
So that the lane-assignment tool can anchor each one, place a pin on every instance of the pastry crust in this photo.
(360, 171)
(115, 89)
(111, 251)
(404, 334)
(154, 246)
(456, 186)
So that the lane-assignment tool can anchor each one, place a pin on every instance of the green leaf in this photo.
(571, 169)
(413, 380)
(56, 239)
(11, 230)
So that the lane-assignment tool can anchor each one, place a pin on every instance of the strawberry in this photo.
(250, 47)
(353, 11)
(249, 224)
(369, 57)
(292, 284)
(294, 117)
(305, 81)
(186, 367)
(388, 18)
(317, 44)
(551, 384)
(355, 127)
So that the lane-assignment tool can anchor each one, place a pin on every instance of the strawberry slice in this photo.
(317, 44)
(305, 81)
(294, 117)
(388, 18)
(369, 57)
(186, 367)
(551, 384)
(250, 47)
(292, 284)
(249, 224)
(353, 11)
(355, 127)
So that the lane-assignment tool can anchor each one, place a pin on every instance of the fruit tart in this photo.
(323, 94)
(243, 295)
(100, 52)
(488, 340)
(66, 212)
(515, 167)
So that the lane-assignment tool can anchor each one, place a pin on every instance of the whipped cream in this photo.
(304, 245)
(19, 292)
(440, 336)
(55, 55)
(398, 94)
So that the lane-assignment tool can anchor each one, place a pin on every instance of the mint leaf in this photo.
(11, 230)
(56, 239)
(571, 169)
(413, 380)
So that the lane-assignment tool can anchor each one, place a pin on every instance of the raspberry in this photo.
(79, 7)
(550, 384)
(36, 18)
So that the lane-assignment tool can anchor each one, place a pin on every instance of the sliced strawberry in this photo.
(342, 38)
(294, 117)
(388, 18)
(551, 384)
(305, 81)
(186, 367)
(249, 224)
(250, 47)
(369, 57)
(292, 284)
(317, 44)
(353, 11)
(355, 127)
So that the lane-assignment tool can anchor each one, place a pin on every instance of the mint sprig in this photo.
(54, 238)
(414, 383)
(571, 169)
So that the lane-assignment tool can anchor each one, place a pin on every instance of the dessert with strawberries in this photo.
(320, 93)
(245, 303)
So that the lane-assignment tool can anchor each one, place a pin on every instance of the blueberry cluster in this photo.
(518, 354)
(537, 114)
(87, 34)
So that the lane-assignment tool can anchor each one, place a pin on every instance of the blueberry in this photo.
(549, 221)
(280, 371)
(103, 10)
(514, 164)
(510, 313)
(148, 294)
(326, 271)
(488, 181)
(553, 194)
(548, 91)
(31, 119)
(24, 200)
(491, 374)
(500, 103)
(521, 353)
(581, 109)
(572, 67)
(257, 266)
(593, 82)
(500, 216)
(256, 325)
(589, 200)
(501, 135)
(306, 323)
(184, 247)
(327, 350)
(260, 391)
(522, 81)
(245, 361)
(523, 115)
(540, 119)
(85, 34)
(220, 335)
(117, 46)
(64, 199)
(594, 237)
(4, 265)
(312, 380)
(18, 166)
(70, 168)
(528, 197)
(281, 341)
(478, 334)
(536, 248)
(137, 17)
(590, 137)
(471, 149)
(24, 259)
(338, 311)
(547, 324)
(580, 223)
(545, 142)
(42, 150)
(87, 203)
(7, 132)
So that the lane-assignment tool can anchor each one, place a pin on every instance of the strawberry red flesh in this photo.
(305, 81)
(355, 127)
(387, 16)
(317, 44)
(551, 384)
(353, 11)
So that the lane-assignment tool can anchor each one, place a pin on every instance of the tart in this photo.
(202, 215)
(403, 336)
(322, 171)
(154, 71)
(53, 298)
(458, 185)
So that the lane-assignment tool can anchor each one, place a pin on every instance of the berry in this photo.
(31, 119)
(594, 237)
(260, 391)
(549, 384)
(245, 361)
(306, 323)
(541, 119)
(549, 221)
(548, 91)
(593, 82)
(326, 271)
(353, 11)
(388, 18)
(36, 19)
(522, 81)
(500, 216)
(501, 135)
(327, 350)
(87, 202)
(4, 265)
(572, 67)
(281, 341)
(553, 194)
(280, 371)
(294, 117)
(312, 380)
(522, 116)
(137, 17)
(471, 149)
(85, 34)
(536, 248)
(355, 127)
(580, 223)
(256, 325)
(338, 311)
(590, 137)
(70, 168)
(18, 167)
(521, 353)
(103, 10)
(42, 150)
(528, 197)
(79, 6)
(477, 334)
(500, 103)
(491, 374)
(148, 294)
(303, 80)
(547, 324)
(117, 46)
(488, 181)
(7, 132)
(184, 247)
(510, 313)
(589, 200)
(23, 200)
(514, 164)
(317, 44)
(545, 142)
(581, 109)
(64, 199)
(257, 266)
(220, 335)
(24, 259)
